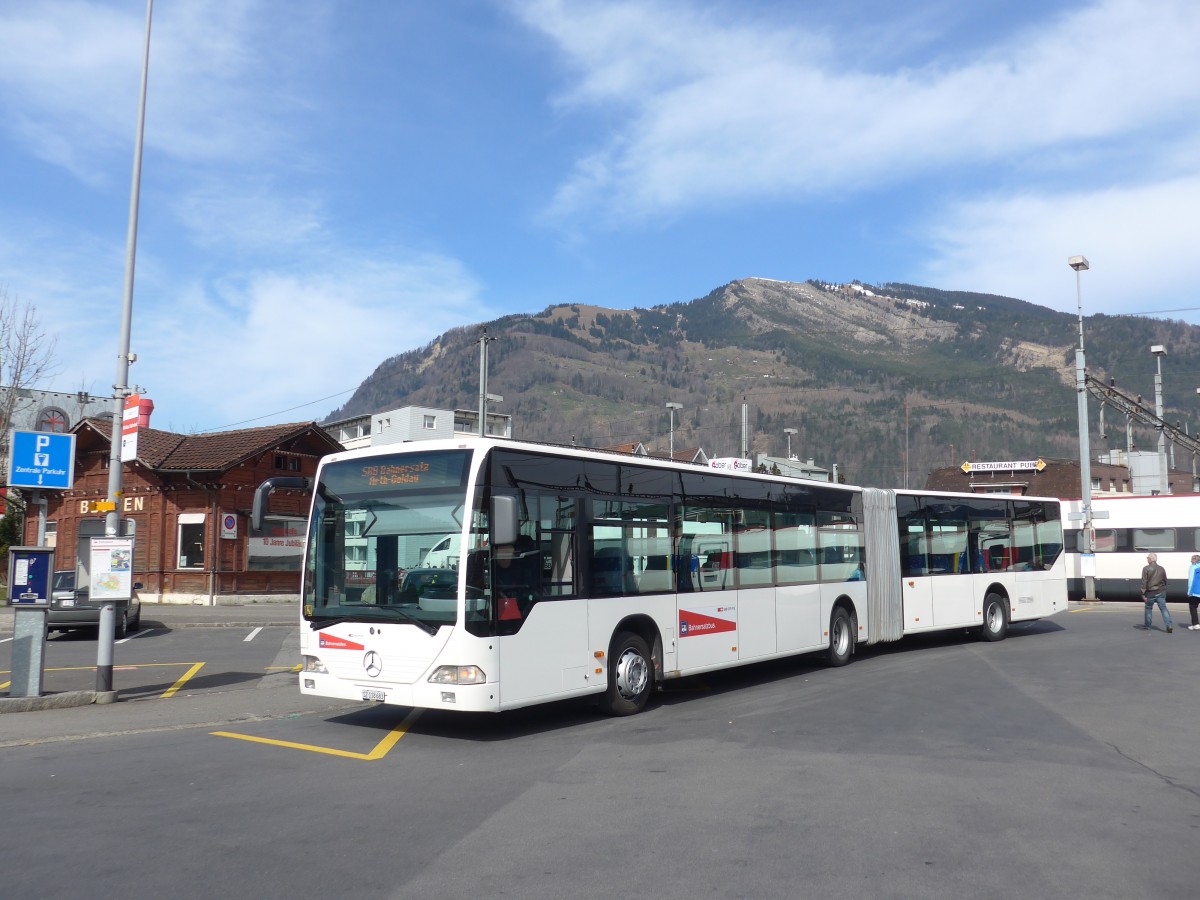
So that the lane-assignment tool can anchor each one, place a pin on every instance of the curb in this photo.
(64, 700)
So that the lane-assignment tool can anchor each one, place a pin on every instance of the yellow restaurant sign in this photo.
(1020, 465)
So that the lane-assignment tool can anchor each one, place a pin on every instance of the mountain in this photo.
(862, 372)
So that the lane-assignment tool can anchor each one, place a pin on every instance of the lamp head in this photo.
(1078, 263)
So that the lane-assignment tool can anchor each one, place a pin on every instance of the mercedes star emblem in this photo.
(373, 663)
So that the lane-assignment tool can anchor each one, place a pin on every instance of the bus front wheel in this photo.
(630, 676)
(841, 637)
(995, 618)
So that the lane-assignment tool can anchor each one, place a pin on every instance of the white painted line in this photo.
(5, 640)
(252, 635)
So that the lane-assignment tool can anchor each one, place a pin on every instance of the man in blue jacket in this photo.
(1193, 590)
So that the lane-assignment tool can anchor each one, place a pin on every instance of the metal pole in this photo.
(1088, 544)
(745, 430)
(39, 500)
(112, 520)
(671, 407)
(121, 387)
(1162, 440)
(104, 655)
(483, 342)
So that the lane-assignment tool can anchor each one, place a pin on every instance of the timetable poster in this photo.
(112, 568)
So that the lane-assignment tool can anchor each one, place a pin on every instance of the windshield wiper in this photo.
(396, 611)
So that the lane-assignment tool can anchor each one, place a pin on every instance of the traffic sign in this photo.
(41, 459)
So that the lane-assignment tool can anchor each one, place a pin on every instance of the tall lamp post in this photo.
(671, 407)
(1159, 351)
(789, 432)
(484, 396)
(1087, 543)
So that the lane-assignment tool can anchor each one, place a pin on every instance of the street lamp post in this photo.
(1159, 351)
(484, 340)
(789, 432)
(1087, 546)
(671, 407)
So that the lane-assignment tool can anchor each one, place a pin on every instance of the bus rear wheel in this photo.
(995, 618)
(841, 637)
(630, 675)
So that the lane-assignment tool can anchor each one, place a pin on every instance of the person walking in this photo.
(1193, 590)
(1154, 590)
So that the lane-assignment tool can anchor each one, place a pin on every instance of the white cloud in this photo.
(1135, 238)
(256, 218)
(222, 80)
(263, 340)
(714, 109)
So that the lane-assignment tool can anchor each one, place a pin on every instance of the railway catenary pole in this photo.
(1087, 533)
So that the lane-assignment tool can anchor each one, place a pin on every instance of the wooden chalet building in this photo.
(187, 502)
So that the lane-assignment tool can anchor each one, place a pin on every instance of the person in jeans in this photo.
(1193, 590)
(1154, 590)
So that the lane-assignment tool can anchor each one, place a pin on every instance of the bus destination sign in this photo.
(403, 472)
(380, 476)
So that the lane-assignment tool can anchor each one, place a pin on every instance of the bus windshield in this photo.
(373, 525)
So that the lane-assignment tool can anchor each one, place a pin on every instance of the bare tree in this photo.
(26, 357)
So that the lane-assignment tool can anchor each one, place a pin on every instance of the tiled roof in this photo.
(214, 452)
(634, 447)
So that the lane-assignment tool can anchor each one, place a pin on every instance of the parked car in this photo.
(70, 607)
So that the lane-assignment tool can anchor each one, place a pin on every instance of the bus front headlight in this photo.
(458, 675)
(313, 664)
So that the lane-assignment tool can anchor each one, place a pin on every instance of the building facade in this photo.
(26, 409)
(186, 502)
(1050, 477)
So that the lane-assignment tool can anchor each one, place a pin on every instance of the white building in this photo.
(414, 423)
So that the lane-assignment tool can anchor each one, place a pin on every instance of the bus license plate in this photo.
(374, 695)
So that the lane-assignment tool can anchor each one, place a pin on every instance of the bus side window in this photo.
(607, 575)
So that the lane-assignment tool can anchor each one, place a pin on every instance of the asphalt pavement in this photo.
(179, 615)
(284, 613)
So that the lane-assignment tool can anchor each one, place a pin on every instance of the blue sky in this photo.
(327, 184)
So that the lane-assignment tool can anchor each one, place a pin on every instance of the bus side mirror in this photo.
(505, 525)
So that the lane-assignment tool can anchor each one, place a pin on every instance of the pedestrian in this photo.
(1193, 590)
(1154, 590)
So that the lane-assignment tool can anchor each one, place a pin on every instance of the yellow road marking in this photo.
(170, 692)
(381, 749)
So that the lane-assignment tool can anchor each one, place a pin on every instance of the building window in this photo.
(191, 541)
(51, 534)
(53, 419)
(429, 423)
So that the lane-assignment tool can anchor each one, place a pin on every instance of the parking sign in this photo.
(41, 460)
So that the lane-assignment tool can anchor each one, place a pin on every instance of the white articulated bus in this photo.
(1126, 530)
(585, 572)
